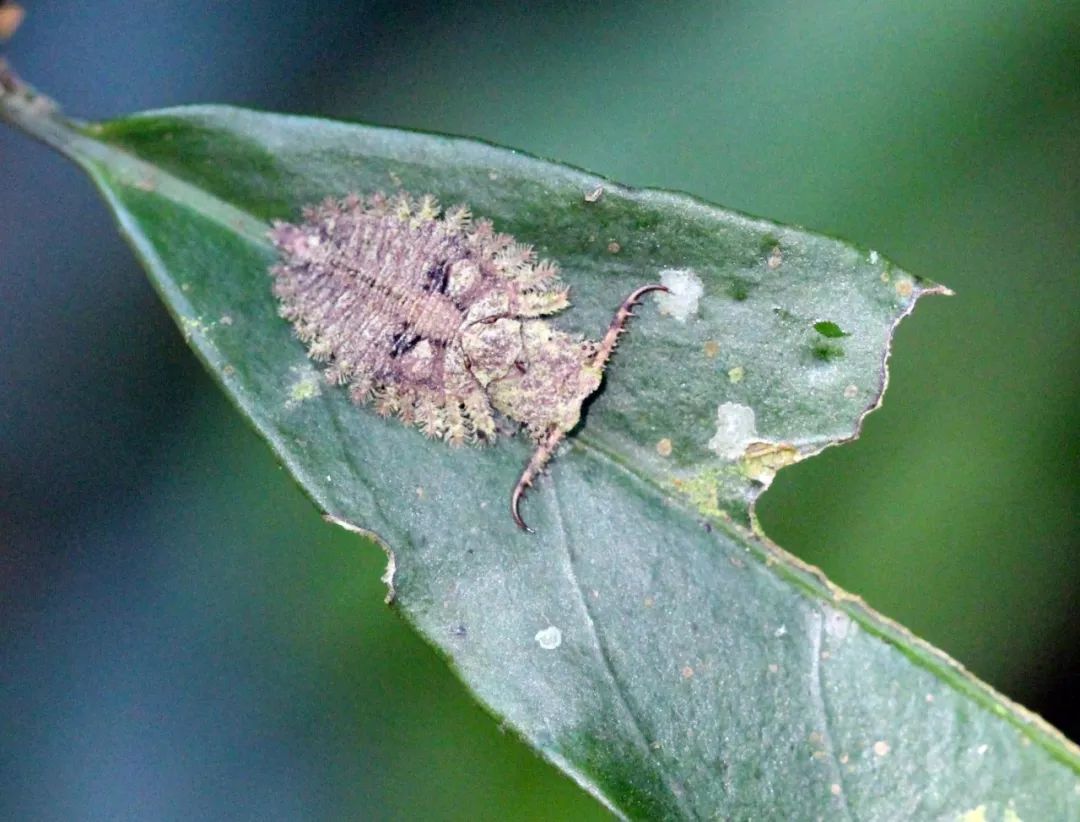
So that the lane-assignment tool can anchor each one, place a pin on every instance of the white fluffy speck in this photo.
(549, 638)
(838, 624)
(685, 290)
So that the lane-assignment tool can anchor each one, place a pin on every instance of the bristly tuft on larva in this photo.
(433, 317)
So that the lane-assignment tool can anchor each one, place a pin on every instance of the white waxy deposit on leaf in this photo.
(685, 290)
(549, 638)
(735, 429)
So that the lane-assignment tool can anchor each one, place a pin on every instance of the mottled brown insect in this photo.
(435, 318)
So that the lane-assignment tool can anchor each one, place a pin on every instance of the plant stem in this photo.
(39, 116)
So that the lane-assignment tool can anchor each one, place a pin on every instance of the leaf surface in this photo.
(647, 639)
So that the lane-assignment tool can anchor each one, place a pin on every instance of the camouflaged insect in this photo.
(434, 317)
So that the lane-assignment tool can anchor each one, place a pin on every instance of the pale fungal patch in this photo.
(685, 291)
(191, 326)
(780, 632)
(874, 258)
(613, 247)
(851, 392)
(762, 460)
(736, 428)
(834, 789)
(387, 578)
(687, 672)
(904, 286)
(881, 748)
(549, 638)
(976, 814)
(306, 385)
(711, 349)
(226, 319)
(775, 259)
(595, 195)
(663, 447)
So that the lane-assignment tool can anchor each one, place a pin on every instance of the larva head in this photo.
(533, 373)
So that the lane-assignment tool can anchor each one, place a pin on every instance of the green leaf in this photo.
(648, 639)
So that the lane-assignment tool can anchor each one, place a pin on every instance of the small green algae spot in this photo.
(738, 289)
(826, 352)
(736, 374)
(767, 243)
(976, 814)
(829, 329)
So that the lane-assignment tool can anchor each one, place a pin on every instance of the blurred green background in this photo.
(181, 635)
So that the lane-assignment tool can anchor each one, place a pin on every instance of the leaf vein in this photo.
(642, 740)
